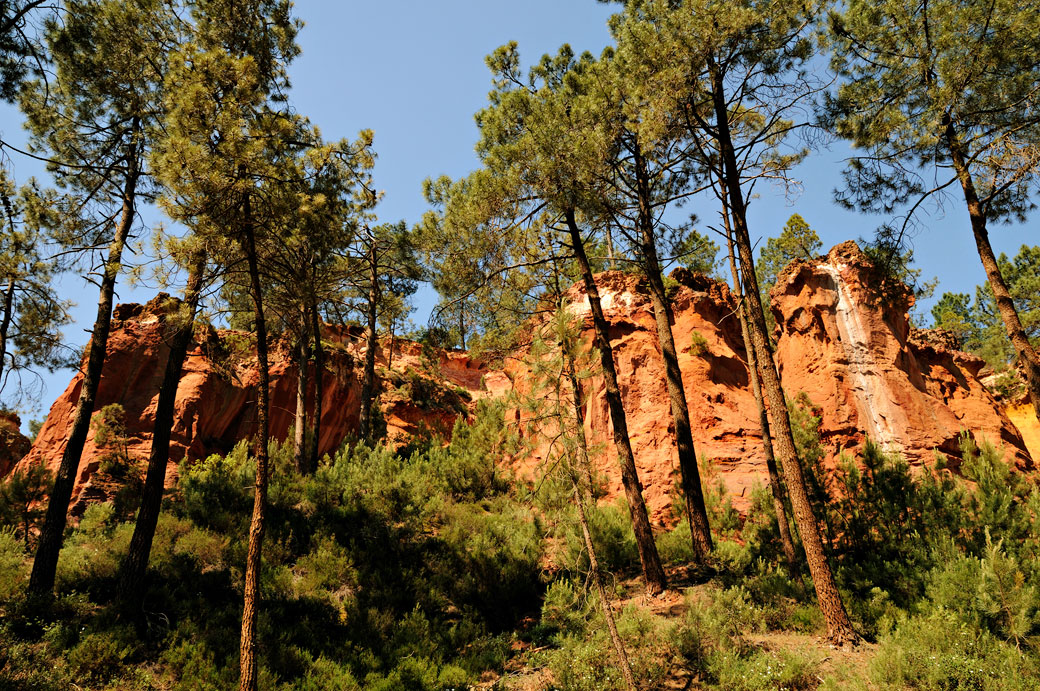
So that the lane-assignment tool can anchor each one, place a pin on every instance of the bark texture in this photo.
(130, 589)
(45, 564)
(248, 660)
(319, 387)
(653, 571)
(369, 377)
(693, 492)
(1027, 355)
(303, 356)
(839, 627)
(775, 485)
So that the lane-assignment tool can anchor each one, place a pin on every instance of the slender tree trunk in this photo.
(45, 564)
(597, 581)
(369, 377)
(132, 572)
(839, 627)
(1005, 303)
(653, 571)
(250, 608)
(583, 495)
(5, 324)
(319, 387)
(579, 415)
(775, 486)
(462, 328)
(693, 493)
(303, 356)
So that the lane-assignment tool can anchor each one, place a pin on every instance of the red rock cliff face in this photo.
(216, 399)
(722, 408)
(855, 355)
(856, 359)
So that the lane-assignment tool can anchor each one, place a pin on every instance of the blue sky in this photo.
(414, 73)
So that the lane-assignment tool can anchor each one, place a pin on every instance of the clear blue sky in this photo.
(414, 72)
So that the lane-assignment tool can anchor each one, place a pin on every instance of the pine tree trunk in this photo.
(369, 377)
(251, 598)
(581, 496)
(775, 486)
(587, 492)
(597, 580)
(319, 388)
(693, 493)
(45, 564)
(5, 324)
(1027, 355)
(653, 571)
(130, 589)
(303, 357)
(839, 627)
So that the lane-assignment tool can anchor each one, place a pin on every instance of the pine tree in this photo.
(776, 488)
(653, 164)
(229, 140)
(384, 270)
(939, 96)
(305, 268)
(18, 47)
(539, 144)
(180, 323)
(737, 72)
(93, 122)
(797, 240)
(32, 312)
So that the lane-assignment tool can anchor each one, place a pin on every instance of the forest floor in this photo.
(835, 665)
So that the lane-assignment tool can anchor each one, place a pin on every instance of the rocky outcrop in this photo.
(1023, 416)
(711, 357)
(216, 399)
(845, 340)
(13, 444)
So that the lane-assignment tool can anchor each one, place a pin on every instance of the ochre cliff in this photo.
(855, 357)
(722, 408)
(853, 354)
(13, 444)
(850, 347)
(216, 406)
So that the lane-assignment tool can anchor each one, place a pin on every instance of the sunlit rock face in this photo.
(847, 343)
(848, 346)
(13, 444)
(712, 360)
(216, 398)
(851, 351)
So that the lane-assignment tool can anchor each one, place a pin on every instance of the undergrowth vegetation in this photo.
(436, 569)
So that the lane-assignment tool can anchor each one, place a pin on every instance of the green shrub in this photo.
(588, 662)
(327, 674)
(216, 493)
(23, 495)
(13, 566)
(565, 609)
(940, 651)
(612, 537)
(766, 671)
(676, 546)
(93, 551)
(698, 345)
(100, 656)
